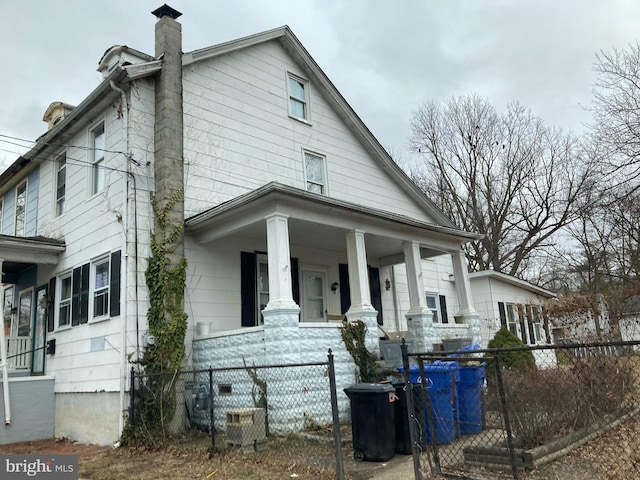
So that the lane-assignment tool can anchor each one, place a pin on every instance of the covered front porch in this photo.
(274, 272)
(25, 303)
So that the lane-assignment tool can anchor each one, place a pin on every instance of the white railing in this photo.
(18, 352)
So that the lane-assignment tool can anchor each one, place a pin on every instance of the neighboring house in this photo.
(296, 218)
(503, 301)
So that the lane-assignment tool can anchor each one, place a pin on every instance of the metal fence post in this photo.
(132, 398)
(505, 413)
(415, 446)
(211, 419)
(336, 419)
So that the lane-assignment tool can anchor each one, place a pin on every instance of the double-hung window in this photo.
(101, 288)
(298, 97)
(432, 304)
(21, 209)
(61, 183)
(64, 307)
(263, 284)
(97, 160)
(314, 173)
(511, 319)
(89, 292)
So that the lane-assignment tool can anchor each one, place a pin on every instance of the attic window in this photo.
(298, 97)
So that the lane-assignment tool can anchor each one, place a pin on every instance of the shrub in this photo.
(518, 360)
(547, 404)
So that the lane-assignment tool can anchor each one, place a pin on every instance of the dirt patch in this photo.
(188, 458)
(612, 456)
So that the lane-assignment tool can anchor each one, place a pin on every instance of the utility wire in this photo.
(66, 145)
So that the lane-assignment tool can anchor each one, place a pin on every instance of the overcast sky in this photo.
(386, 57)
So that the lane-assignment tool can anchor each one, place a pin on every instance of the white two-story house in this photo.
(296, 219)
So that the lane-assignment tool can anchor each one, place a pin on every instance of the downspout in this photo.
(5, 371)
(125, 261)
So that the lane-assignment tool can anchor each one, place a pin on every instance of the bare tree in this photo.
(507, 176)
(616, 112)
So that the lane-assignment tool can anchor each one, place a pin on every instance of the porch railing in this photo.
(18, 352)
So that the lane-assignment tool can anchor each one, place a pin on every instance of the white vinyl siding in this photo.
(237, 133)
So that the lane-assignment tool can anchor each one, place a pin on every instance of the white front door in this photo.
(313, 296)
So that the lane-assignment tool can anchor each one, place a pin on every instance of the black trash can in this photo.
(403, 432)
(372, 420)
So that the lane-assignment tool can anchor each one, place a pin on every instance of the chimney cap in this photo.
(166, 11)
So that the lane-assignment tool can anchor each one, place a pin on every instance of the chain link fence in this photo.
(249, 408)
(512, 410)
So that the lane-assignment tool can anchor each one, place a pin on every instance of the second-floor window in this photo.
(21, 209)
(314, 173)
(61, 182)
(298, 98)
(97, 153)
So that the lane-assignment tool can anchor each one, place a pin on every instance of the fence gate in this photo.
(497, 413)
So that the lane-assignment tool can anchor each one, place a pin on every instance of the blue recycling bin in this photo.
(470, 398)
(442, 379)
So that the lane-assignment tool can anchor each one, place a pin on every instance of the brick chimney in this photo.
(168, 131)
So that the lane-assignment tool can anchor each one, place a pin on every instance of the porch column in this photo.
(281, 313)
(361, 308)
(421, 331)
(280, 288)
(465, 298)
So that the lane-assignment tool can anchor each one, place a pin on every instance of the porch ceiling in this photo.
(319, 222)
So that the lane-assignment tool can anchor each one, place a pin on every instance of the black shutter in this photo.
(503, 315)
(374, 290)
(84, 294)
(114, 284)
(295, 280)
(248, 288)
(75, 296)
(52, 305)
(345, 293)
(443, 308)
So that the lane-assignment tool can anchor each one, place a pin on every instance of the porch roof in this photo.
(18, 252)
(245, 216)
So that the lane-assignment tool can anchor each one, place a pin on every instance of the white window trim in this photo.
(437, 309)
(92, 288)
(58, 299)
(261, 258)
(307, 103)
(1, 213)
(325, 185)
(93, 161)
(55, 190)
(25, 182)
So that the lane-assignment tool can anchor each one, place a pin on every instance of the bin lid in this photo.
(369, 388)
